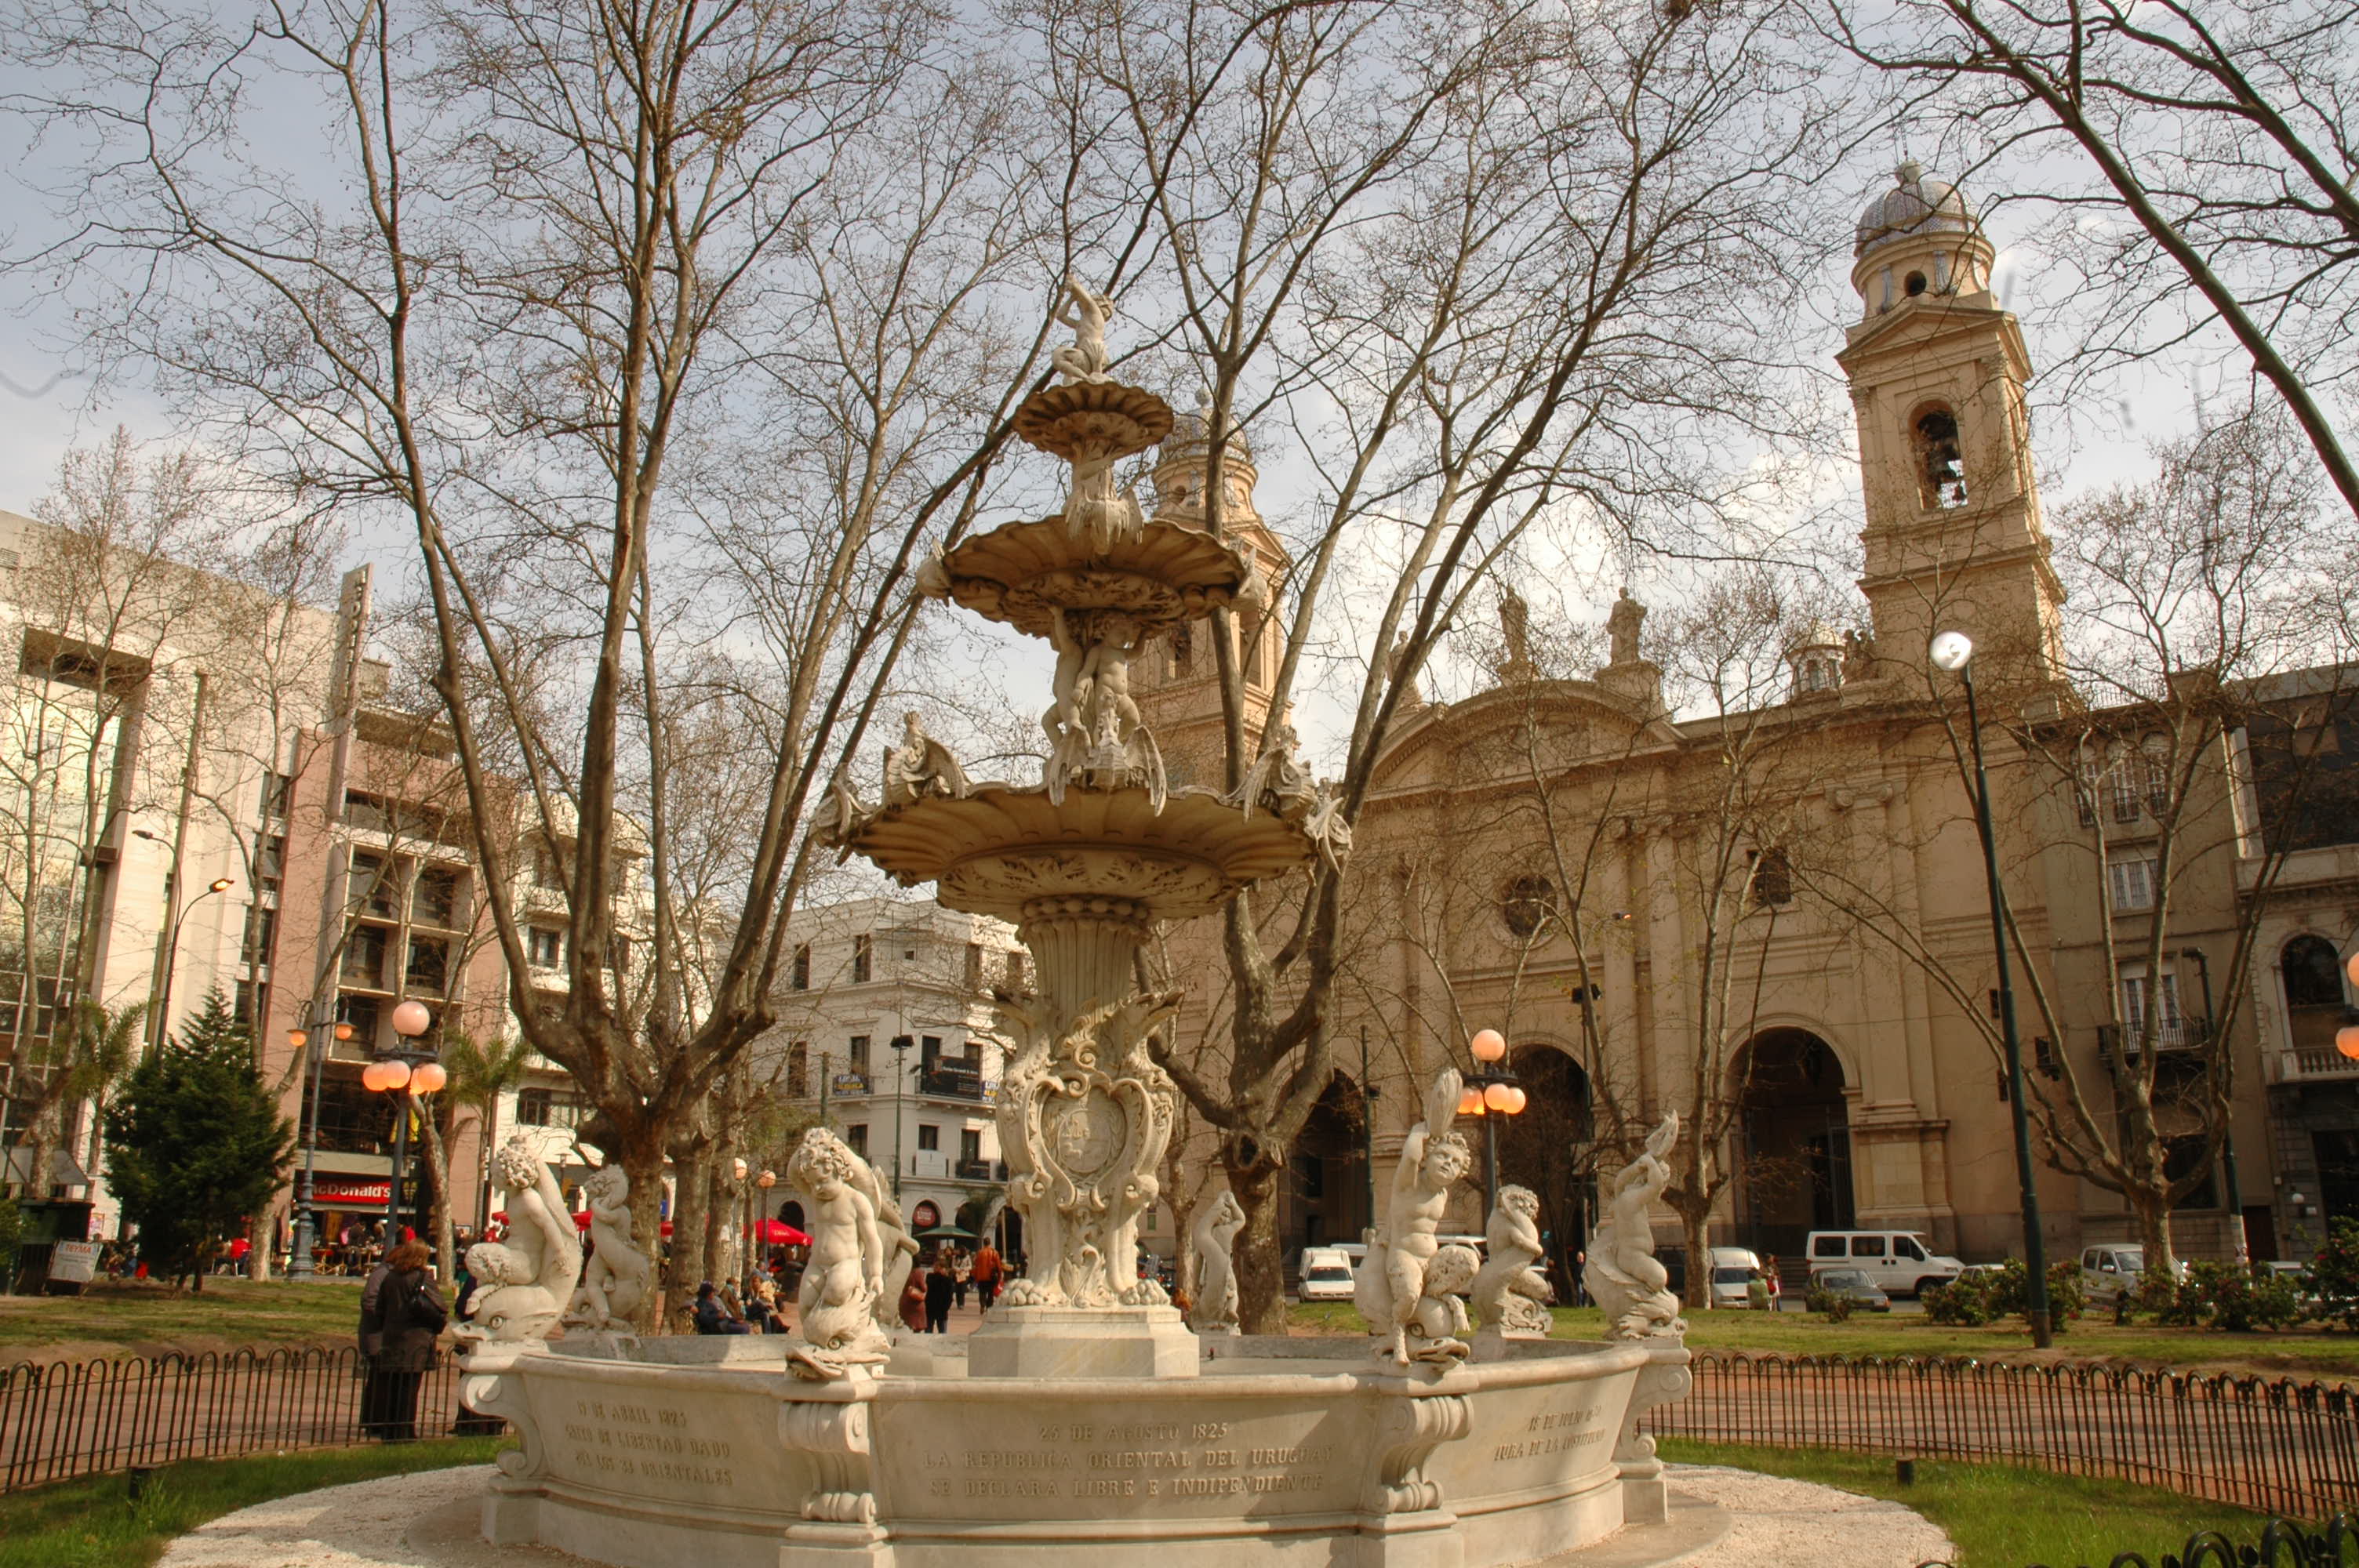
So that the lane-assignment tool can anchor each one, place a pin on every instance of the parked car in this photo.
(2111, 1270)
(1326, 1274)
(1733, 1270)
(1853, 1286)
(1894, 1260)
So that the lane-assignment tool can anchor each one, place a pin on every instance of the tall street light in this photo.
(396, 1074)
(299, 1259)
(162, 1021)
(901, 1043)
(1491, 1092)
(1954, 653)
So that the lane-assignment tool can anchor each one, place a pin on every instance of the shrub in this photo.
(2242, 1300)
(1964, 1303)
(2335, 1275)
(1835, 1308)
(2065, 1301)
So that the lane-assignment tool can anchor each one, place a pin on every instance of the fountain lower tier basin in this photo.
(1278, 1454)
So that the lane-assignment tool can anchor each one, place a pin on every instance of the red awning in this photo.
(779, 1233)
(350, 1192)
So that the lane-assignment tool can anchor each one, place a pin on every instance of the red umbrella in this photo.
(581, 1222)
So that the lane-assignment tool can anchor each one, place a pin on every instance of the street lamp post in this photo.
(901, 1043)
(1367, 1132)
(162, 1022)
(407, 1073)
(1491, 1091)
(1954, 651)
(298, 1261)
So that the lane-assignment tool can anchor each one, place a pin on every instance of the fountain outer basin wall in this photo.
(1276, 1460)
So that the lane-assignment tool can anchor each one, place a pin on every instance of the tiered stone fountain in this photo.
(1085, 1417)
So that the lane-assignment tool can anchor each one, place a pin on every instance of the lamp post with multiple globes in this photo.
(1954, 652)
(1490, 1092)
(407, 1073)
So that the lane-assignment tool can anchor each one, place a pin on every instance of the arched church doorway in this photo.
(791, 1213)
(1793, 1130)
(1546, 1147)
(1325, 1198)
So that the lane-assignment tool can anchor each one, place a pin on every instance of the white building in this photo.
(884, 1023)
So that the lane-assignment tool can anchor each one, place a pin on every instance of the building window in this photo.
(2147, 1003)
(1773, 879)
(253, 1003)
(2312, 973)
(545, 873)
(435, 899)
(1940, 469)
(864, 959)
(1015, 971)
(430, 965)
(261, 934)
(361, 1012)
(800, 972)
(371, 885)
(860, 1054)
(544, 947)
(856, 1137)
(974, 966)
(1527, 905)
(799, 1068)
(551, 1108)
(269, 863)
(532, 1106)
(363, 962)
(277, 794)
(2133, 882)
(969, 1145)
(929, 1136)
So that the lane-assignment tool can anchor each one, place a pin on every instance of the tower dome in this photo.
(1919, 238)
(1914, 205)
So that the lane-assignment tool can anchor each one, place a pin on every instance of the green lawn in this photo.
(1998, 1516)
(2307, 1352)
(130, 1318)
(94, 1523)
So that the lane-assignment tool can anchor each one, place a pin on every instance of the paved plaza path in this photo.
(429, 1522)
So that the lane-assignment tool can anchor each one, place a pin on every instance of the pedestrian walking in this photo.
(987, 1273)
(961, 1274)
(408, 1316)
(941, 1286)
(913, 1303)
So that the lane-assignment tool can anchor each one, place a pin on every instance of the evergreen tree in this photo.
(195, 1143)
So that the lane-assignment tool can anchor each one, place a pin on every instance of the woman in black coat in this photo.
(939, 1287)
(408, 1316)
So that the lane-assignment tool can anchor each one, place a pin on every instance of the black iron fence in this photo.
(82, 1418)
(2273, 1446)
(2282, 1543)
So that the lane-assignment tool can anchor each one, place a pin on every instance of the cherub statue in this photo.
(845, 1278)
(1623, 1275)
(1510, 1294)
(1087, 314)
(1215, 1233)
(528, 1280)
(1327, 829)
(1397, 670)
(615, 1278)
(1391, 1288)
(920, 767)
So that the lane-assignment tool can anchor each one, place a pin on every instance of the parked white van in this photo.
(1327, 1274)
(2112, 1269)
(1733, 1270)
(1899, 1262)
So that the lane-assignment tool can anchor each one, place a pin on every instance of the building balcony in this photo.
(2310, 1064)
(980, 1171)
(2173, 1034)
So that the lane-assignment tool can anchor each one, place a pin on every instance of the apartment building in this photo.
(885, 1023)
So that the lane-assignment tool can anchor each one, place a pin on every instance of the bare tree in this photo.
(1473, 258)
(2222, 133)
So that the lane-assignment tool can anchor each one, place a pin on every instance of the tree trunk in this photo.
(1261, 1267)
(438, 1173)
(258, 1244)
(642, 1158)
(691, 1177)
(1695, 1229)
(2152, 1207)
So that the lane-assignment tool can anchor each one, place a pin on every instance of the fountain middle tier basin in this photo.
(1000, 848)
(1272, 1456)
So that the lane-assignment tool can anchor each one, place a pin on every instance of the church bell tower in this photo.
(1954, 537)
(1176, 678)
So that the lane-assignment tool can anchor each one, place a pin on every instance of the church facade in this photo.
(1773, 919)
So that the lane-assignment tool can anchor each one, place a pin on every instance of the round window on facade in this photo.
(1529, 902)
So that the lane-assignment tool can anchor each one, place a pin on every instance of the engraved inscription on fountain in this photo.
(1087, 1461)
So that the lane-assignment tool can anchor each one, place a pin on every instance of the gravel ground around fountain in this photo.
(429, 1522)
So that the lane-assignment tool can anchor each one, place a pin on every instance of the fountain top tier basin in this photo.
(1000, 849)
(1023, 574)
